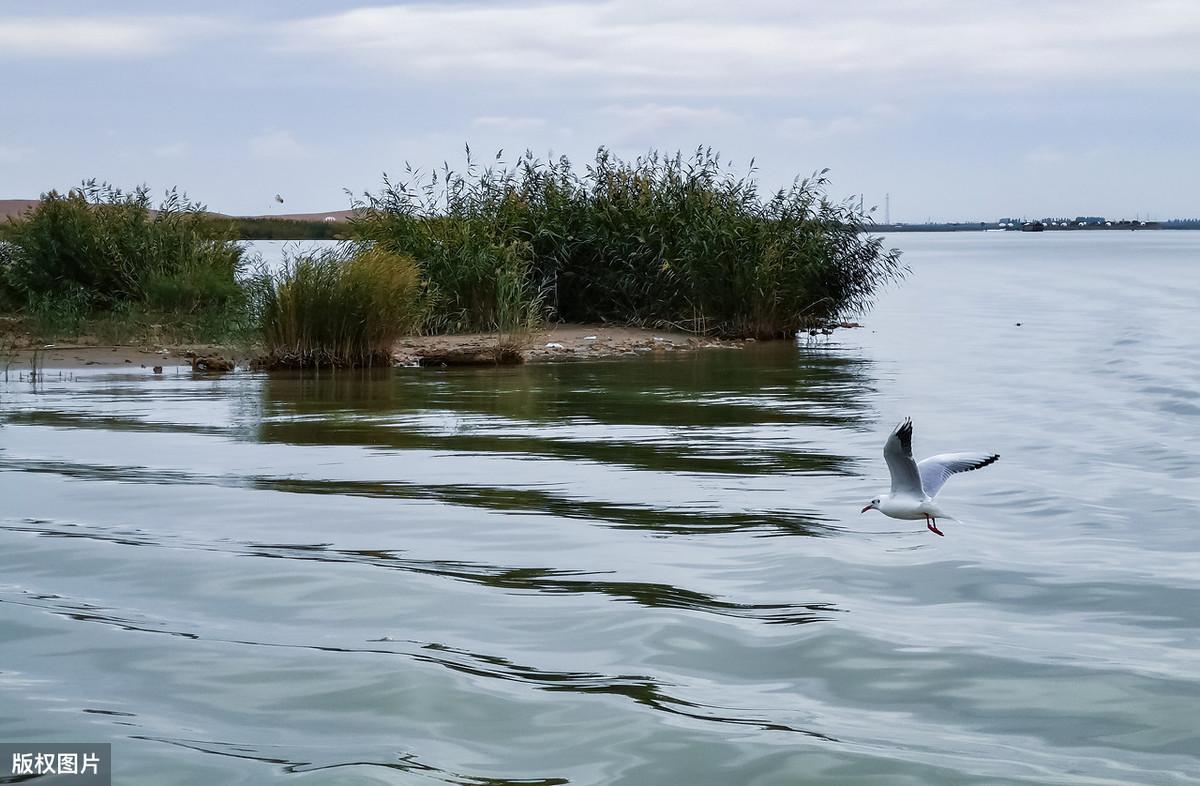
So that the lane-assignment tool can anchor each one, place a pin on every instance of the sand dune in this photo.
(15, 207)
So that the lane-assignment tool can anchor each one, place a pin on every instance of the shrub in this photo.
(479, 277)
(191, 289)
(340, 307)
(661, 240)
(52, 316)
(109, 248)
(10, 297)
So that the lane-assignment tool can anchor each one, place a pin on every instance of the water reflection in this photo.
(630, 572)
(729, 412)
(501, 499)
(642, 690)
(771, 383)
(404, 763)
(526, 579)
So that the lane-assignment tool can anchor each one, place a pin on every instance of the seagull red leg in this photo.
(933, 527)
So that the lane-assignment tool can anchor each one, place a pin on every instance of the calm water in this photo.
(640, 572)
(272, 253)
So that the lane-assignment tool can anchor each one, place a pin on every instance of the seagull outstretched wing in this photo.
(935, 470)
(906, 480)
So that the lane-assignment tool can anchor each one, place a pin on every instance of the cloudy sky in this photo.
(958, 110)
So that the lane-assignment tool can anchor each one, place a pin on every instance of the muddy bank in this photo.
(83, 356)
(553, 343)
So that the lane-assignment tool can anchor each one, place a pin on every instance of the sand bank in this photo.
(552, 343)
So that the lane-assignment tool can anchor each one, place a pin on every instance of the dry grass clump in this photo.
(340, 308)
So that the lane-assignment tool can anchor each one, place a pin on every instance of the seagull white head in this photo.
(914, 485)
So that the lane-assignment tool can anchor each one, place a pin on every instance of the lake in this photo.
(271, 254)
(648, 571)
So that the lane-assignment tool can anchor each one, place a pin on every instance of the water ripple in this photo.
(644, 571)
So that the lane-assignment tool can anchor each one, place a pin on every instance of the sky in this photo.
(957, 110)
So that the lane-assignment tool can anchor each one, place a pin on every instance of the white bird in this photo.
(915, 484)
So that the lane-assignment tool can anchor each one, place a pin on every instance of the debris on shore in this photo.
(211, 364)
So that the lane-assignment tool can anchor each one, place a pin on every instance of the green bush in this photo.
(63, 314)
(100, 247)
(661, 240)
(10, 297)
(343, 307)
(190, 290)
(479, 279)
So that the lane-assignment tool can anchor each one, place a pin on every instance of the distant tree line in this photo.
(289, 229)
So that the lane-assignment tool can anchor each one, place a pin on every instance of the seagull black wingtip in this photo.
(987, 462)
(904, 432)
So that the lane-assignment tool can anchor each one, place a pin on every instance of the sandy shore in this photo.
(558, 342)
(555, 342)
(79, 356)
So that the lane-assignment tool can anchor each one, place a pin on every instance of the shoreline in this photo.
(551, 343)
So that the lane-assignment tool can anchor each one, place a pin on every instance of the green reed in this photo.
(660, 240)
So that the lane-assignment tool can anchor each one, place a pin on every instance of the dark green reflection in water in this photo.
(550, 581)
(405, 763)
(491, 497)
(515, 410)
(771, 383)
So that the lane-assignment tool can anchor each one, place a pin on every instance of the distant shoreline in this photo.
(977, 227)
(15, 208)
(332, 224)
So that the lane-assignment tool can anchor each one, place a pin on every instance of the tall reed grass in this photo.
(480, 275)
(662, 240)
(98, 247)
(339, 307)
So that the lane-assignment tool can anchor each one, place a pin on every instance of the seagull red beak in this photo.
(868, 507)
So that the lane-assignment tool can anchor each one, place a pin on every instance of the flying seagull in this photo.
(916, 483)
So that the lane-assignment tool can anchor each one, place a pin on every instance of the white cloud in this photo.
(11, 155)
(121, 37)
(1045, 155)
(806, 129)
(643, 122)
(505, 123)
(171, 150)
(975, 90)
(768, 48)
(278, 144)
(1079, 154)
(799, 129)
